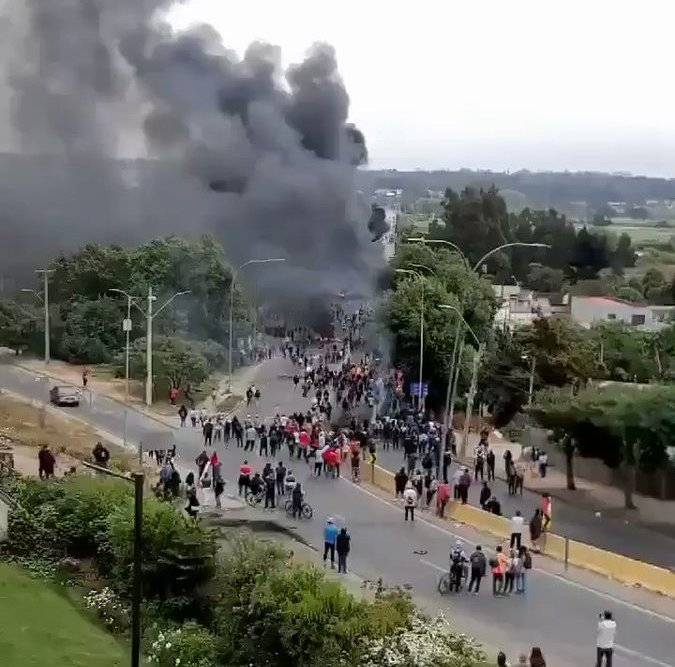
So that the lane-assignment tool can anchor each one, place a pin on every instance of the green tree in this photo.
(627, 355)
(545, 279)
(176, 363)
(563, 351)
(653, 283)
(628, 427)
(92, 331)
(20, 325)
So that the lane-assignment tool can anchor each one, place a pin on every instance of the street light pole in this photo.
(45, 300)
(148, 349)
(232, 283)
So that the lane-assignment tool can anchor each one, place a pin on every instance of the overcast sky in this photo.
(500, 84)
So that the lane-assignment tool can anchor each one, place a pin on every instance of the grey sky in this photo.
(539, 84)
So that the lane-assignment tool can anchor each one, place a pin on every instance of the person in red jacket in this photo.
(442, 497)
(245, 472)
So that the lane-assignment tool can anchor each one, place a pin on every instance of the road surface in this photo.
(558, 614)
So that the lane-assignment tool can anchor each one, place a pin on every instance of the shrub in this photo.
(188, 646)
(178, 554)
(110, 608)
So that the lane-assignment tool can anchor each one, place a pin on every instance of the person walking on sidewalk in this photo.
(342, 546)
(517, 523)
(605, 641)
(330, 533)
(478, 568)
(409, 501)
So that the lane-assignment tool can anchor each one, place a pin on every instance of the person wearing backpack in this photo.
(526, 564)
(409, 501)
(478, 568)
(457, 560)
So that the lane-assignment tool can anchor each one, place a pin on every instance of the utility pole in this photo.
(148, 349)
(470, 399)
(533, 365)
(419, 389)
(45, 274)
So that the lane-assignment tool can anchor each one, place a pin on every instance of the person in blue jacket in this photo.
(330, 533)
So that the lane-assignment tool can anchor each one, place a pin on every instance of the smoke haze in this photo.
(262, 159)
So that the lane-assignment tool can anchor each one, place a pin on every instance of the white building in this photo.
(518, 307)
(588, 310)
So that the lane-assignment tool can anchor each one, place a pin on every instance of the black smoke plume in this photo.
(261, 158)
(377, 224)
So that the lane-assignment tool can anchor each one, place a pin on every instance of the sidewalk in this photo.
(592, 496)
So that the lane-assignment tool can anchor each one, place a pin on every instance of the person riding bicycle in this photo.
(458, 562)
(289, 481)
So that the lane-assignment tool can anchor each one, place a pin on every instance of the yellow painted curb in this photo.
(607, 563)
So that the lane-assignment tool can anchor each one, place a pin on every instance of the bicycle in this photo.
(255, 499)
(306, 510)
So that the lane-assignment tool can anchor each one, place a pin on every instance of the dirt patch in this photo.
(28, 426)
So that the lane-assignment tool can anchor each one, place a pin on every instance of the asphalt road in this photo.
(574, 522)
(558, 614)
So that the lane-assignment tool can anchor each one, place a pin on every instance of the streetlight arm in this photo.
(166, 303)
(35, 293)
(508, 245)
(132, 299)
(454, 246)
(447, 306)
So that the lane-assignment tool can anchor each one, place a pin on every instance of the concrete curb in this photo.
(614, 566)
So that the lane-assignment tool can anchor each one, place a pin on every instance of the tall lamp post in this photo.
(45, 300)
(457, 348)
(149, 317)
(474, 380)
(232, 283)
(416, 274)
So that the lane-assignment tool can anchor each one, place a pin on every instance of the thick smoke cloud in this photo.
(261, 158)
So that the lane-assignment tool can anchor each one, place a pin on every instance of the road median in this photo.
(609, 564)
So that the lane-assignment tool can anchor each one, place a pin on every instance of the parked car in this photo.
(64, 395)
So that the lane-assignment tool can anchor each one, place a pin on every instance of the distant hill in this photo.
(576, 193)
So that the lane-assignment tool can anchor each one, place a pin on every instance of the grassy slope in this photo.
(40, 627)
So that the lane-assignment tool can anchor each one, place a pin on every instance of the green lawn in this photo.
(40, 627)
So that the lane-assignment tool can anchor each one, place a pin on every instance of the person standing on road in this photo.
(281, 478)
(263, 442)
(244, 478)
(218, 488)
(250, 438)
(605, 641)
(517, 523)
(464, 484)
(330, 533)
(296, 500)
(498, 565)
(526, 564)
(537, 658)
(478, 568)
(400, 480)
(447, 460)
(207, 431)
(490, 460)
(342, 546)
(455, 483)
(409, 501)
(543, 463)
(201, 462)
(270, 481)
(182, 414)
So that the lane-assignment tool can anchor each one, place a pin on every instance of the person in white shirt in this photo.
(517, 523)
(605, 643)
(542, 461)
(409, 501)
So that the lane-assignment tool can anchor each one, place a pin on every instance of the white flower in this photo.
(168, 645)
(177, 661)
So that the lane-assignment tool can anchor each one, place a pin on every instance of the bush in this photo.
(178, 554)
(275, 613)
(188, 646)
(110, 608)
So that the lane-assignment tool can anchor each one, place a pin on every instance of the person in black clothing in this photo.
(400, 480)
(490, 460)
(263, 441)
(281, 478)
(201, 462)
(101, 454)
(296, 499)
(269, 489)
(207, 430)
(493, 506)
(182, 413)
(447, 460)
(342, 546)
(485, 495)
(427, 463)
(478, 568)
